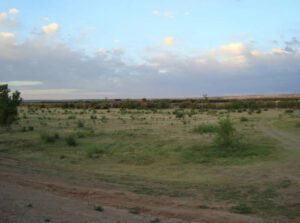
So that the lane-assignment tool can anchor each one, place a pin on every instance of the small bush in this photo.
(94, 152)
(156, 220)
(71, 141)
(244, 119)
(93, 117)
(134, 210)
(49, 138)
(242, 209)
(205, 128)
(104, 119)
(226, 135)
(179, 113)
(56, 135)
(99, 208)
(80, 124)
(30, 128)
(289, 111)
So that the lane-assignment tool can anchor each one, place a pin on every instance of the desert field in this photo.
(163, 165)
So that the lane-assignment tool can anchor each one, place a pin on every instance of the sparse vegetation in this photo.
(205, 128)
(120, 146)
(49, 138)
(244, 119)
(71, 140)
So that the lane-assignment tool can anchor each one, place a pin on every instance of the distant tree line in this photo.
(231, 104)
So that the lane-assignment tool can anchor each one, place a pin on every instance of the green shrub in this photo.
(104, 119)
(244, 119)
(242, 208)
(226, 134)
(8, 105)
(156, 220)
(93, 117)
(94, 152)
(80, 124)
(205, 128)
(56, 135)
(99, 208)
(289, 111)
(179, 113)
(49, 138)
(71, 141)
(30, 128)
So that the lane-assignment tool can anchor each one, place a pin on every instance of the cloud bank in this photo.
(43, 67)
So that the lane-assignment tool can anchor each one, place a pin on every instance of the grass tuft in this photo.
(205, 128)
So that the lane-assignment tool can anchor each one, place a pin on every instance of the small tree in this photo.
(8, 105)
(227, 133)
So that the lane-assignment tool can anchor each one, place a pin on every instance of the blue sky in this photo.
(149, 48)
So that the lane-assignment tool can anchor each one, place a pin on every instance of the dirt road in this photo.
(29, 197)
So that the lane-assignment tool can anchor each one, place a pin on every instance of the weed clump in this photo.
(226, 134)
(94, 152)
(289, 111)
(244, 119)
(80, 124)
(71, 141)
(30, 128)
(156, 220)
(50, 138)
(205, 128)
(99, 208)
(179, 113)
(242, 208)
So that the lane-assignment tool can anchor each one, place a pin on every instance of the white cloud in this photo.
(162, 71)
(3, 17)
(51, 28)
(66, 73)
(233, 48)
(169, 41)
(22, 83)
(48, 91)
(13, 11)
(7, 35)
(46, 19)
(8, 19)
(166, 14)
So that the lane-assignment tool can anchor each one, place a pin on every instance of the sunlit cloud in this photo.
(169, 41)
(13, 11)
(51, 29)
(7, 35)
(233, 48)
(63, 72)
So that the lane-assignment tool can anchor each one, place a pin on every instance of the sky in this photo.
(95, 49)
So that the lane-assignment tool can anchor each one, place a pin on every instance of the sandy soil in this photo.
(56, 201)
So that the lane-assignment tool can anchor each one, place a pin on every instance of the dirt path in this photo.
(61, 201)
(285, 138)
